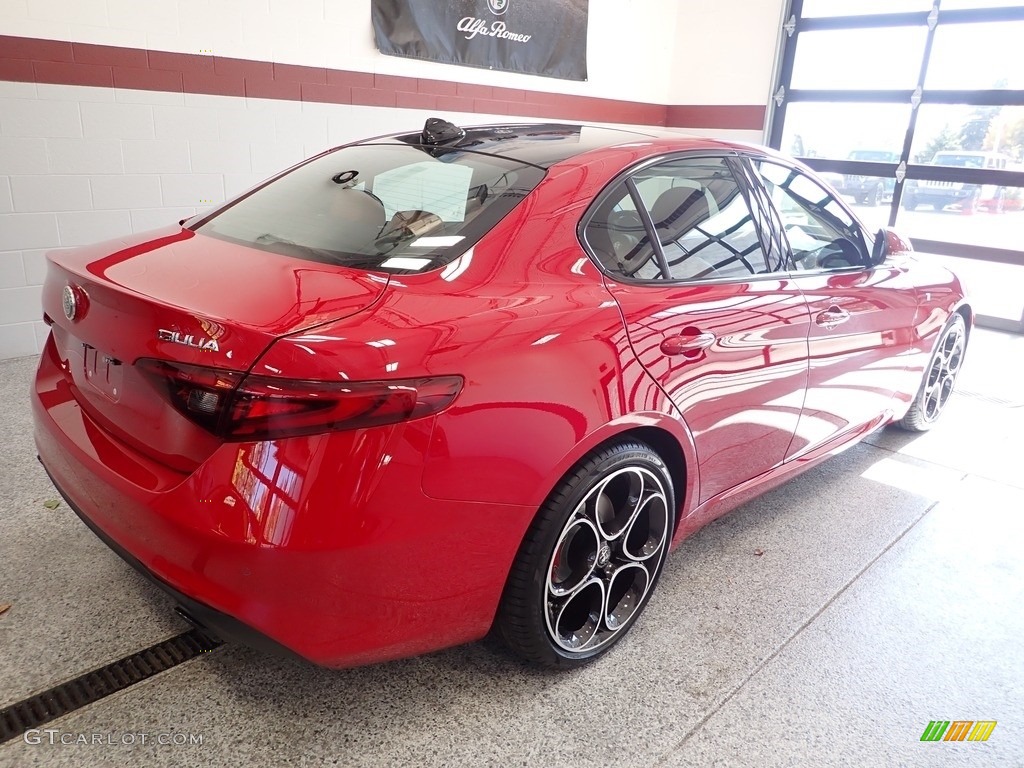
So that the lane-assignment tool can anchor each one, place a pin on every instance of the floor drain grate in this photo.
(93, 686)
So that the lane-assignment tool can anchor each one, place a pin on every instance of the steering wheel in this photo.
(840, 253)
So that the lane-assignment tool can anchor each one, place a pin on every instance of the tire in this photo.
(874, 198)
(970, 205)
(600, 538)
(910, 203)
(939, 378)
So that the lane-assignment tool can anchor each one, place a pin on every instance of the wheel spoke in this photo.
(574, 621)
(574, 558)
(626, 589)
(647, 530)
(615, 502)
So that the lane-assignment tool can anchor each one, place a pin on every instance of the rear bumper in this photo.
(324, 545)
(942, 193)
(209, 619)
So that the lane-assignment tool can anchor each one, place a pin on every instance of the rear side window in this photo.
(703, 226)
(383, 207)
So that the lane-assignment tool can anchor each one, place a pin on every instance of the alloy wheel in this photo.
(606, 559)
(945, 366)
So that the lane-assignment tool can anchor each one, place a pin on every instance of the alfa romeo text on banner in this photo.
(536, 37)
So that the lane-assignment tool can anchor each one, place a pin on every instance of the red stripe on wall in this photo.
(26, 59)
(749, 117)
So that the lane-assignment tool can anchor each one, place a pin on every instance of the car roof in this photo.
(541, 144)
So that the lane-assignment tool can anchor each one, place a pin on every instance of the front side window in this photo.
(821, 233)
(382, 207)
(684, 219)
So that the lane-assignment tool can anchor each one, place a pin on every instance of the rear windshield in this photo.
(959, 161)
(385, 207)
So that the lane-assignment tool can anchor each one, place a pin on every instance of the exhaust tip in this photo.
(203, 628)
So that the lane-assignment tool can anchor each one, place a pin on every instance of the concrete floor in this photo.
(890, 592)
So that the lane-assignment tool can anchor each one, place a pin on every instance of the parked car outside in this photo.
(966, 197)
(430, 385)
(867, 190)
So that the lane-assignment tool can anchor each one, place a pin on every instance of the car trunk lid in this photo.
(183, 298)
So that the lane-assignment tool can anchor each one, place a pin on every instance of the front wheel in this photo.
(591, 559)
(939, 378)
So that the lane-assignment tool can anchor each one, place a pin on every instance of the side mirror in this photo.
(881, 247)
(888, 243)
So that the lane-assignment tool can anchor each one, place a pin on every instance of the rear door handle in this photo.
(689, 345)
(832, 317)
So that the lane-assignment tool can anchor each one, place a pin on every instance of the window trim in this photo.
(649, 226)
(626, 176)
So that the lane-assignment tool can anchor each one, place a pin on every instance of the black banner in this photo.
(535, 37)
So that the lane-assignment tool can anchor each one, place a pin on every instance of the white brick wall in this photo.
(79, 165)
(126, 192)
(6, 200)
(85, 155)
(34, 194)
(33, 117)
(22, 155)
(117, 121)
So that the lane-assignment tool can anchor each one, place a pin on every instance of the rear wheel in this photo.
(874, 197)
(591, 559)
(939, 378)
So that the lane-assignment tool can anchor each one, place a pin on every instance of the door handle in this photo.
(832, 317)
(690, 345)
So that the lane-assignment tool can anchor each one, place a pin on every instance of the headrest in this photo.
(679, 208)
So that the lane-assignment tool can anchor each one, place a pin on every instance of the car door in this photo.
(708, 310)
(862, 314)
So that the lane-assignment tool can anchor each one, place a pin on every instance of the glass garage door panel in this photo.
(862, 7)
(968, 214)
(841, 131)
(869, 196)
(993, 289)
(953, 5)
(845, 59)
(945, 128)
(1001, 66)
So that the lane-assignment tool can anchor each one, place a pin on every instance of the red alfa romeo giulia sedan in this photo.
(433, 384)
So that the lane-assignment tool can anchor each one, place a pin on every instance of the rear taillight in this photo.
(236, 406)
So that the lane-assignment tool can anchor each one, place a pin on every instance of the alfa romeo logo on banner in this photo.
(537, 37)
